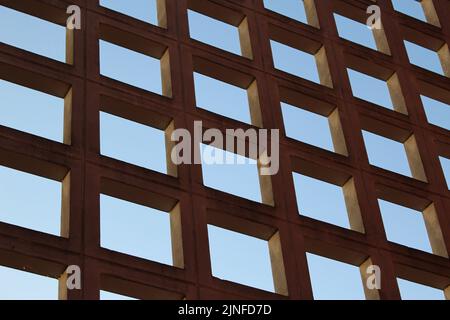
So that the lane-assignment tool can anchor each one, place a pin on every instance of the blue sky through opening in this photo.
(144, 10)
(293, 9)
(25, 32)
(355, 31)
(445, 163)
(244, 259)
(334, 280)
(320, 200)
(44, 117)
(386, 153)
(404, 226)
(229, 35)
(135, 230)
(423, 57)
(135, 143)
(412, 8)
(307, 127)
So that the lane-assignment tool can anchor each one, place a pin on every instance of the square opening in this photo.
(22, 285)
(136, 69)
(415, 291)
(33, 34)
(445, 163)
(106, 295)
(235, 37)
(334, 280)
(299, 56)
(412, 8)
(133, 142)
(114, 287)
(135, 229)
(240, 258)
(301, 10)
(387, 153)
(294, 61)
(380, 92)
(312, 121)
(209, 19)
(312, 128)
(222, 169)
(328, 202)
(355, 31)
(150, 11)
(422, 10)
(424, 57)
(405, 226)
(232, 93)
(140, 223)
(205, 29)
(352, 25)
(411, 220)
(222, 98)
(437, 112)
(42, 210)
(32, 111)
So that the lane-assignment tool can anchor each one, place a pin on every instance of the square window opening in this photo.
(328, 202)
(437, 112)
(35, 112)
(221, 169)
(399, 157)
(358, 32)
(387, 94)
(43, 211)
(303, 11)
(40, 36)
(228, 99)
(323, 131)
(117, 288)
(423, 10)
(445, 163)
(22, 285)
(424, 57)
(405, 226)
(334, 280)
(144, 71)
(139, 230)
(386, 153)
(415, 291)
(310, 66)
(410, 220)
(106, 295)
(354, 31)
(235, 37)
(135, 143)
(240, 258)
(150, 11)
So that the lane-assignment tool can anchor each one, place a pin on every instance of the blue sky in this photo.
(411, 8)
(331, 210)
(140, 227)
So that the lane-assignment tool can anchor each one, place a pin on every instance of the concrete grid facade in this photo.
(86, 174)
